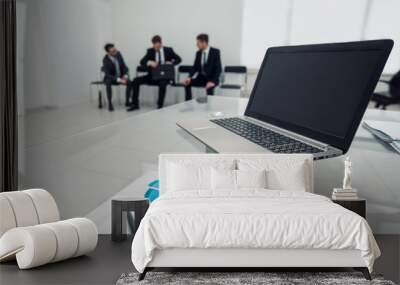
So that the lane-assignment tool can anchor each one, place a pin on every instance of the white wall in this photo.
(384, 22)
(178, 22)
(61, 49)
(315, 21)
(267, 23)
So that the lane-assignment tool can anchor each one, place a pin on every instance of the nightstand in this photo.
(118, 207)
(357, 206)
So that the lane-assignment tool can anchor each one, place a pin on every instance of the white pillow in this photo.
(183, 177)
(291, 178)
(230, 180)
(189, 174)
(223, 179)
(251, 178)
(282, 173)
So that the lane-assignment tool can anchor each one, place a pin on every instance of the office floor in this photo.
(110, 260)
(49, 124)
(60, 151)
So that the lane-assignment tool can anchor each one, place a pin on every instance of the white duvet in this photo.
(250, 219)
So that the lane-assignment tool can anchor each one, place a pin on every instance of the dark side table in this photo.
(120, 205)
(357, 206)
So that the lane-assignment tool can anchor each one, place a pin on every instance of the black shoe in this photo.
(159, 107)
(127, 104)
(110, 108)
(133, 108)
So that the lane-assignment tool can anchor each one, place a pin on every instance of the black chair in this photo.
(100, 84)
(141, 69)
(182, 69)
(383, 99)
(234, 69)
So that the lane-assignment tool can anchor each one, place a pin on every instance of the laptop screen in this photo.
(319, 91)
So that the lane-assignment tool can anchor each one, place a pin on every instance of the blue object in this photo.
(155, 184)
(153, 193)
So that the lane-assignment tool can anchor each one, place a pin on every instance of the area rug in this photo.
(244, 278)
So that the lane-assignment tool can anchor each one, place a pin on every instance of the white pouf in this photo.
(31, 233)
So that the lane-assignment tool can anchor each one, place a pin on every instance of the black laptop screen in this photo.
(321, 94)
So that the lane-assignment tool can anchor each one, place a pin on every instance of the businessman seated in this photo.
(115, 73)
(207, 68)
(156, 55)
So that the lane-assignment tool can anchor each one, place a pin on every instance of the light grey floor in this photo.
(66, 151)
(84, 156)
(110, 260)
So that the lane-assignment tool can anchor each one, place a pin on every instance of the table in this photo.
(137, 205)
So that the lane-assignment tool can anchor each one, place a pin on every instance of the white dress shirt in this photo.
(204, 56)
(160, 59)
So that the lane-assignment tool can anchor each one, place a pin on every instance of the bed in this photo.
(247, 210)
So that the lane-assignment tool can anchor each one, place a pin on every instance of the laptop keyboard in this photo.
(264, 137)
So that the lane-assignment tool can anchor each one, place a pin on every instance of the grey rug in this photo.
(228, 278)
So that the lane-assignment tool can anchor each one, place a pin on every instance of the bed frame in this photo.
(242, 259)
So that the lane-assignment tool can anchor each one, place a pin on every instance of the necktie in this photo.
(159, 57)
(203, 61)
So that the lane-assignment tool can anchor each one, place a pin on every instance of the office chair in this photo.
(182, 70)
(383, 99)
(238, 70)
(100, 84)
(140, 69)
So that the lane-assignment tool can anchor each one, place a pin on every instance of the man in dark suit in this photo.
(115, 73)
(156, 55)
(207, 68)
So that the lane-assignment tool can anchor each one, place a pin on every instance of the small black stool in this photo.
(120, 205)
(358, 206)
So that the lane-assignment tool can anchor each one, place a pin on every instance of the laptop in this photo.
(163, 72)
(306, 99)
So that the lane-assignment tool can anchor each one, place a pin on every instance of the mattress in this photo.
(250, 219)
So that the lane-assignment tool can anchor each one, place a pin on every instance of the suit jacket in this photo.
(169, 55)
(212, 68)
(110, 72)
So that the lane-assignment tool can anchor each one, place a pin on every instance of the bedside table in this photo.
(120, 205)
(357, 206)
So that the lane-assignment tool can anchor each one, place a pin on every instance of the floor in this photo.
(110, 260)
(65, 150)
(103, 266)
(84, 156)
